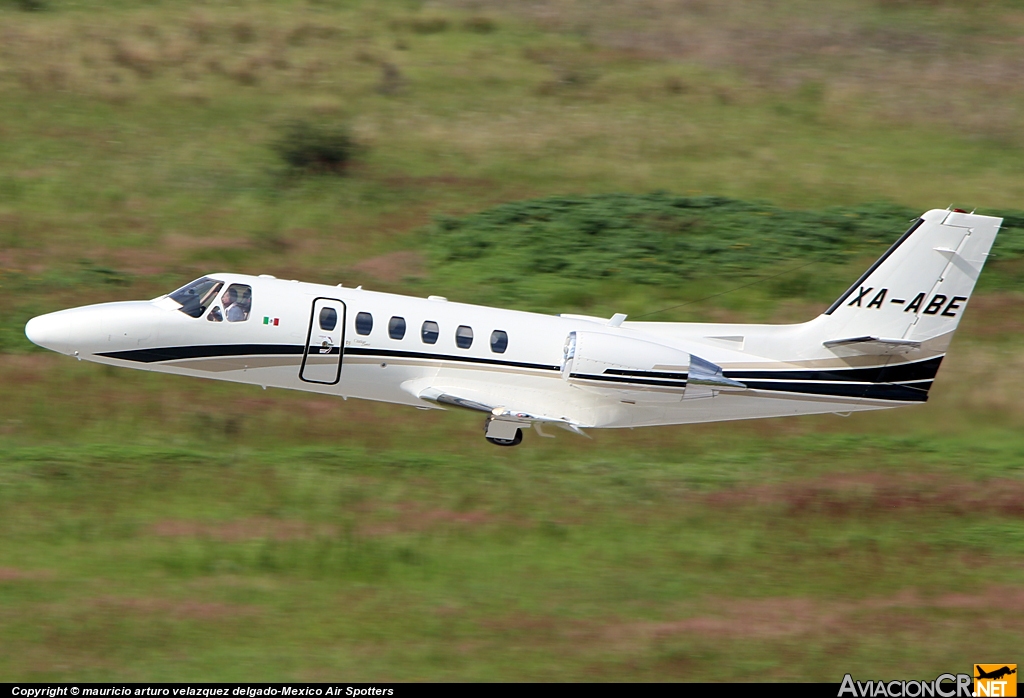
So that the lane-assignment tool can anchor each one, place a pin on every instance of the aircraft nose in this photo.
(51, 331)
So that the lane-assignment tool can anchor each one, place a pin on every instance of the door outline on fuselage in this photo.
(315, 307)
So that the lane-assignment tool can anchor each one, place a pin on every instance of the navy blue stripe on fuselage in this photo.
(896, 373)
(671, 375)
(205, 351)
(627, 380)
(398, 354)
(225, 350)
(917, 392)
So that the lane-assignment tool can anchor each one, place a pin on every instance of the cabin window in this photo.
(328, 319)
(197, 296)
(430, 332)
(499, 341)
(396, 327)
(215, 315)
(364, 323)
(236, 303)
(464, 337)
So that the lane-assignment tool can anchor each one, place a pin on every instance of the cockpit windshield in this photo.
(197, 296)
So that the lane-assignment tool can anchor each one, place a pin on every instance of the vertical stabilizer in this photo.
(917, 291)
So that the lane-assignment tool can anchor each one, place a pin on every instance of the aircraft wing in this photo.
(471, 400)
(443, 398)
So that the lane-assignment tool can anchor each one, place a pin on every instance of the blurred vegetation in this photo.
(665, 240)
(160, 528)
(315, 148)
(375, 563)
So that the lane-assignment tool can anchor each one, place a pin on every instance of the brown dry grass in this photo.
(846, 494)
(392, 267)
(840, 56)
(14, 574)
(177, 244)
(375, 520)
(995, 314)
(414, 518)
(769, 619)
(241, 530)
(980, 379)
(189, 609)
(106, 59)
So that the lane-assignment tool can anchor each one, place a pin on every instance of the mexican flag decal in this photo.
(275, 321)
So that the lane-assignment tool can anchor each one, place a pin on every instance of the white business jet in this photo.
(878, 346)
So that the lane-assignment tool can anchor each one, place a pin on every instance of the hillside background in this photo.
(163, 528)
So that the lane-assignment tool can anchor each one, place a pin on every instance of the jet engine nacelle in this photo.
(637, 370)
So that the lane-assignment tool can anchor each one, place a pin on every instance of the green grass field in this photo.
(162, 528)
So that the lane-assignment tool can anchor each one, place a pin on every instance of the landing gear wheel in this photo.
(518, 439)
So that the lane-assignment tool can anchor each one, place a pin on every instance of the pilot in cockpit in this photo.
(229, 301)
(196, 297)
(236, 305)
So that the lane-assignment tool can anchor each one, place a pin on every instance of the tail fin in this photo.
(915, 294)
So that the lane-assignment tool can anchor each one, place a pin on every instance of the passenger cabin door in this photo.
(321, 360)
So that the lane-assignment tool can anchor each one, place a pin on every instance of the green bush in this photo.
(308, 147)
(664, 240)
(31, 5)
(658, 238)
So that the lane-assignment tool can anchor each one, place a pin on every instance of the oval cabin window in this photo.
(364, 323)
(499, 341)
(396, 327)
(328, 319)
(464, 337)
(430, 332)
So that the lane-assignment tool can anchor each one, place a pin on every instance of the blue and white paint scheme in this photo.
(878, 346)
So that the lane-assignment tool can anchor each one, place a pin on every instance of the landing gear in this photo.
(514, 441)
(502, 433)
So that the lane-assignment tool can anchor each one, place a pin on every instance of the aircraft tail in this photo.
(912, 298)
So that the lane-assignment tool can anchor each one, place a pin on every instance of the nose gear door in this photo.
(321, 360)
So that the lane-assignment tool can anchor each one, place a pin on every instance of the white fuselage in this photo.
(527, 376)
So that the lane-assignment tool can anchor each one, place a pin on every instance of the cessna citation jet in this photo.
(878, 346)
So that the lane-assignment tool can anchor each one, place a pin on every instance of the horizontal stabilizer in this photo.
(872, 346)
